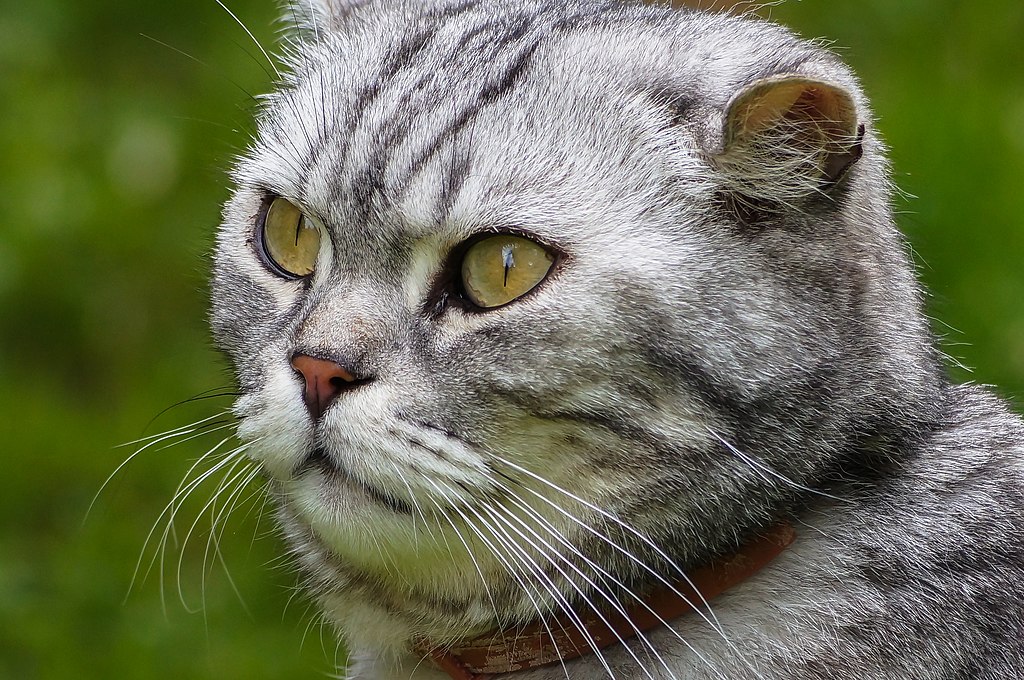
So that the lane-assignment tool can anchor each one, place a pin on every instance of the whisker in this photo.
(184, 489)
(413, 501)
(313, 620)
(289, 100)
(213, 393)
(170, 510)
(579, 591)
(709, 616)
(229, 477)
(525, 587)
(199, 427)
(465, 544)
(184, 483)
(250, 472)
(172, 431)
(251, 36)
(206, 66)
(303, 52)
(761, 470)
(215, 426)
(604, 573)
(514, 550)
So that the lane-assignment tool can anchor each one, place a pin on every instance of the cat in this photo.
(539, 309)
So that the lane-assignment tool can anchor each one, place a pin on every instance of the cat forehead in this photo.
(497, 106)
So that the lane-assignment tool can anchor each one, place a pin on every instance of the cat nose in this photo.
(324, 381)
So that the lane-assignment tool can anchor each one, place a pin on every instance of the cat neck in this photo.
(571, 636)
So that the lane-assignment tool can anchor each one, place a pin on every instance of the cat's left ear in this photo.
(787, 136)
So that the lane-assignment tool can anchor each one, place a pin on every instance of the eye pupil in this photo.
(508, 261)
(290, 240)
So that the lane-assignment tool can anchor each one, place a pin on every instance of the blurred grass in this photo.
(112, 149)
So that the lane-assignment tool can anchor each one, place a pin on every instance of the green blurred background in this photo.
(112, 154)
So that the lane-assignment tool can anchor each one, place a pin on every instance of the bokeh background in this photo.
(116, 123)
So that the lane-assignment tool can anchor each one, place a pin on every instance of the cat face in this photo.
(700, 274)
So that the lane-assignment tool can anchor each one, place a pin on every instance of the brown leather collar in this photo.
(563, 639)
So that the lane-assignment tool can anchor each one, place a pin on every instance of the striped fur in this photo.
(725, 341)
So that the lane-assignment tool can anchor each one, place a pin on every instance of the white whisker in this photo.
(773, 476)
(229, 478)
(604, 573)
(469, 551)
(217, 523)
(152, 440)
(579, 591)
(172, 431)
(250, 34)
(709, 616)
(184, 489)
(514, 551)
(172, 509)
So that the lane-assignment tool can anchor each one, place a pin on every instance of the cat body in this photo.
(728, 335)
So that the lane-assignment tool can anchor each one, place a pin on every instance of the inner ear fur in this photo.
(788, 136)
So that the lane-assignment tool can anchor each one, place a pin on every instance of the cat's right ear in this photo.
(788, 136)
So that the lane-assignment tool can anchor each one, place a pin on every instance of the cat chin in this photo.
(333, 483)
(383, 583)
(345, 513)
(363, 529)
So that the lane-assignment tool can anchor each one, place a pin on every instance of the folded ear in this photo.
(788, 136)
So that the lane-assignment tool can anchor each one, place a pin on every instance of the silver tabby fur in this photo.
(728, 341)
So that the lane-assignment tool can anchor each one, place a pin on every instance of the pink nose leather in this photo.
(324, 379)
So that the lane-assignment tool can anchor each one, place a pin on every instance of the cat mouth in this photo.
(321, 461)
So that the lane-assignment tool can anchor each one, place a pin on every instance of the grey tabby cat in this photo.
(538, 308)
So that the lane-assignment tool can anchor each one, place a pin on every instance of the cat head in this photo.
(513, 286)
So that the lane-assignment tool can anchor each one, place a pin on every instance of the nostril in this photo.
(340, 385)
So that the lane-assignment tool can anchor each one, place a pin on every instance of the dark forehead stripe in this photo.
(398, 59)
(402, 56)
(364, 97)
(499, 84)
(483, 62)
(445, 13)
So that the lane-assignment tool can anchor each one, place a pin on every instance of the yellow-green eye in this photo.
(291, 241)
(498, 269)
